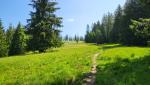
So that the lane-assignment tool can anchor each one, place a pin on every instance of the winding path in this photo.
(91, 77)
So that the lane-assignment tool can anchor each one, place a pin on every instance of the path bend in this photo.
(90, 77)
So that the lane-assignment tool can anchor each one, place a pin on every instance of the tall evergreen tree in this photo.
(9, 35)
(3, 44)
(87, 37)
(96, 29)
(115, 34)
(141, 29)
(18, 43)
(42, 25)
(118, 29)
(76, 38)
(146, 6)
(133, 9)
(101, 32)
(66, 38)
(107, 23)
(56, 39)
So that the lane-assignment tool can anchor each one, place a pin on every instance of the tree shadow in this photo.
(36, 52)
(52, 50)
(125, 72)
(105, 47)
(64, 81)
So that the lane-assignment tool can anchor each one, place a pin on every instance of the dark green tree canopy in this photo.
(117, 29)
(117, 25)
(18, 43)
(141, 29)
(9, 34)
(42, 27)
(100, 32)
(3, 43)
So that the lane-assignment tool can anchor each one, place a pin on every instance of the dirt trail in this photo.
(91, 77)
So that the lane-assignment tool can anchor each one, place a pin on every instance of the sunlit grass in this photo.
(58, 67)
(123, 65)
(117, 65)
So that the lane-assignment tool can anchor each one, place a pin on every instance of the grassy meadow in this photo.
(122, 65)
(117, 65)
(62, 66)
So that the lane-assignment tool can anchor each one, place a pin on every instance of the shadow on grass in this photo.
(53, 50)
(36, 52)
(105, 47)
(63, 81)
(125, 72)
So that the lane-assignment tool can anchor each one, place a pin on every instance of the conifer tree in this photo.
(117, 29)
(141, 29)
(18, 43)
(133, 9)
(9, 35)
(76, 38)
(43, 26)
(115, 34)
(3, 44)
(66, 38)
(107, 22)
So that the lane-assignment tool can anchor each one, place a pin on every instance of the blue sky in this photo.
(76, 13)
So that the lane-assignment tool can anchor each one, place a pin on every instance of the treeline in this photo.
(74, 38)
(39, 34)
(13, 41)
(129, 25)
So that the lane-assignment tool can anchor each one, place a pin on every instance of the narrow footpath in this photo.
(90, 78)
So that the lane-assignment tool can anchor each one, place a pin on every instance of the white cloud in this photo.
(70, 20)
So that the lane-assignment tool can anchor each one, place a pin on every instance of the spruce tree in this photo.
(66, 38)
(42, 27)
(3, 44)
(9, 35)
(87, 36)
(117, 29)
(115, 34)
(76, 38)
(18, 43)
(56, 40)
(133, 9)
(107, 25)
(141, 29)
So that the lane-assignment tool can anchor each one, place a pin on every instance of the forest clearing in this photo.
(68, 64)
(75, 42)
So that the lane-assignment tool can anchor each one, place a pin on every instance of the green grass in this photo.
(117, 65)
(62, 66)
(122, 65)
